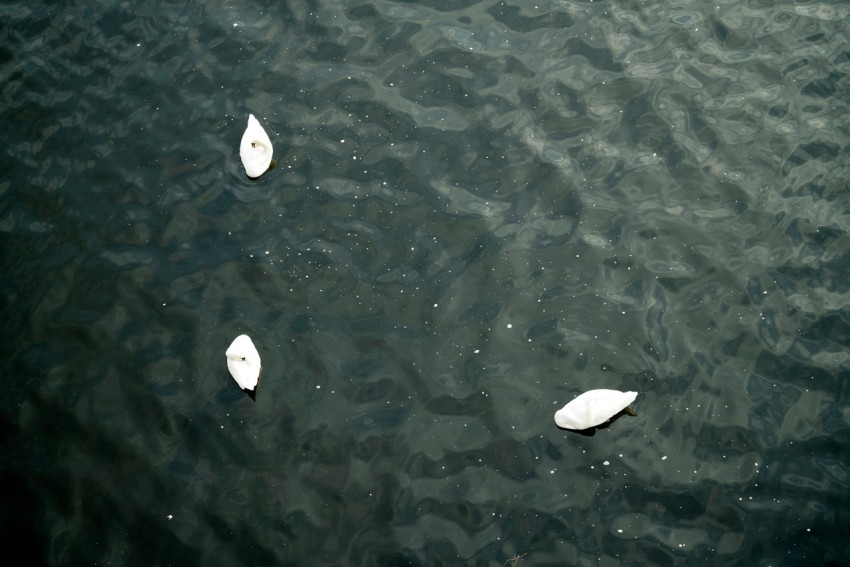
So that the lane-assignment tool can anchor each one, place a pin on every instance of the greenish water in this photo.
(479, 210)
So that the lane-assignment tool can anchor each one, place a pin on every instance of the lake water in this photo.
(478, 210)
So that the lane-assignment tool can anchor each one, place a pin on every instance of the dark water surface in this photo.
(479, 210)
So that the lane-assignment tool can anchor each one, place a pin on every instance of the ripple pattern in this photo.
(479, 209)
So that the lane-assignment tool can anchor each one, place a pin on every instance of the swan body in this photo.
(255, 149)
(593, 408)
(243, 362)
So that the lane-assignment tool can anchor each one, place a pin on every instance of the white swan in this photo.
(593, 408)
(255, 149)
(243, 361)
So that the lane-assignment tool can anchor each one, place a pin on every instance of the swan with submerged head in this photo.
(255, 149)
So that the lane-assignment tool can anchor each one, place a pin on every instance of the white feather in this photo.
(255, 149)
(243, 362)
(593, 408)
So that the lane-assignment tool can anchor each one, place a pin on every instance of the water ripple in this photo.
(477, 211)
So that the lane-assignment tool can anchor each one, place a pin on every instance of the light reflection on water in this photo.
(477, 212)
